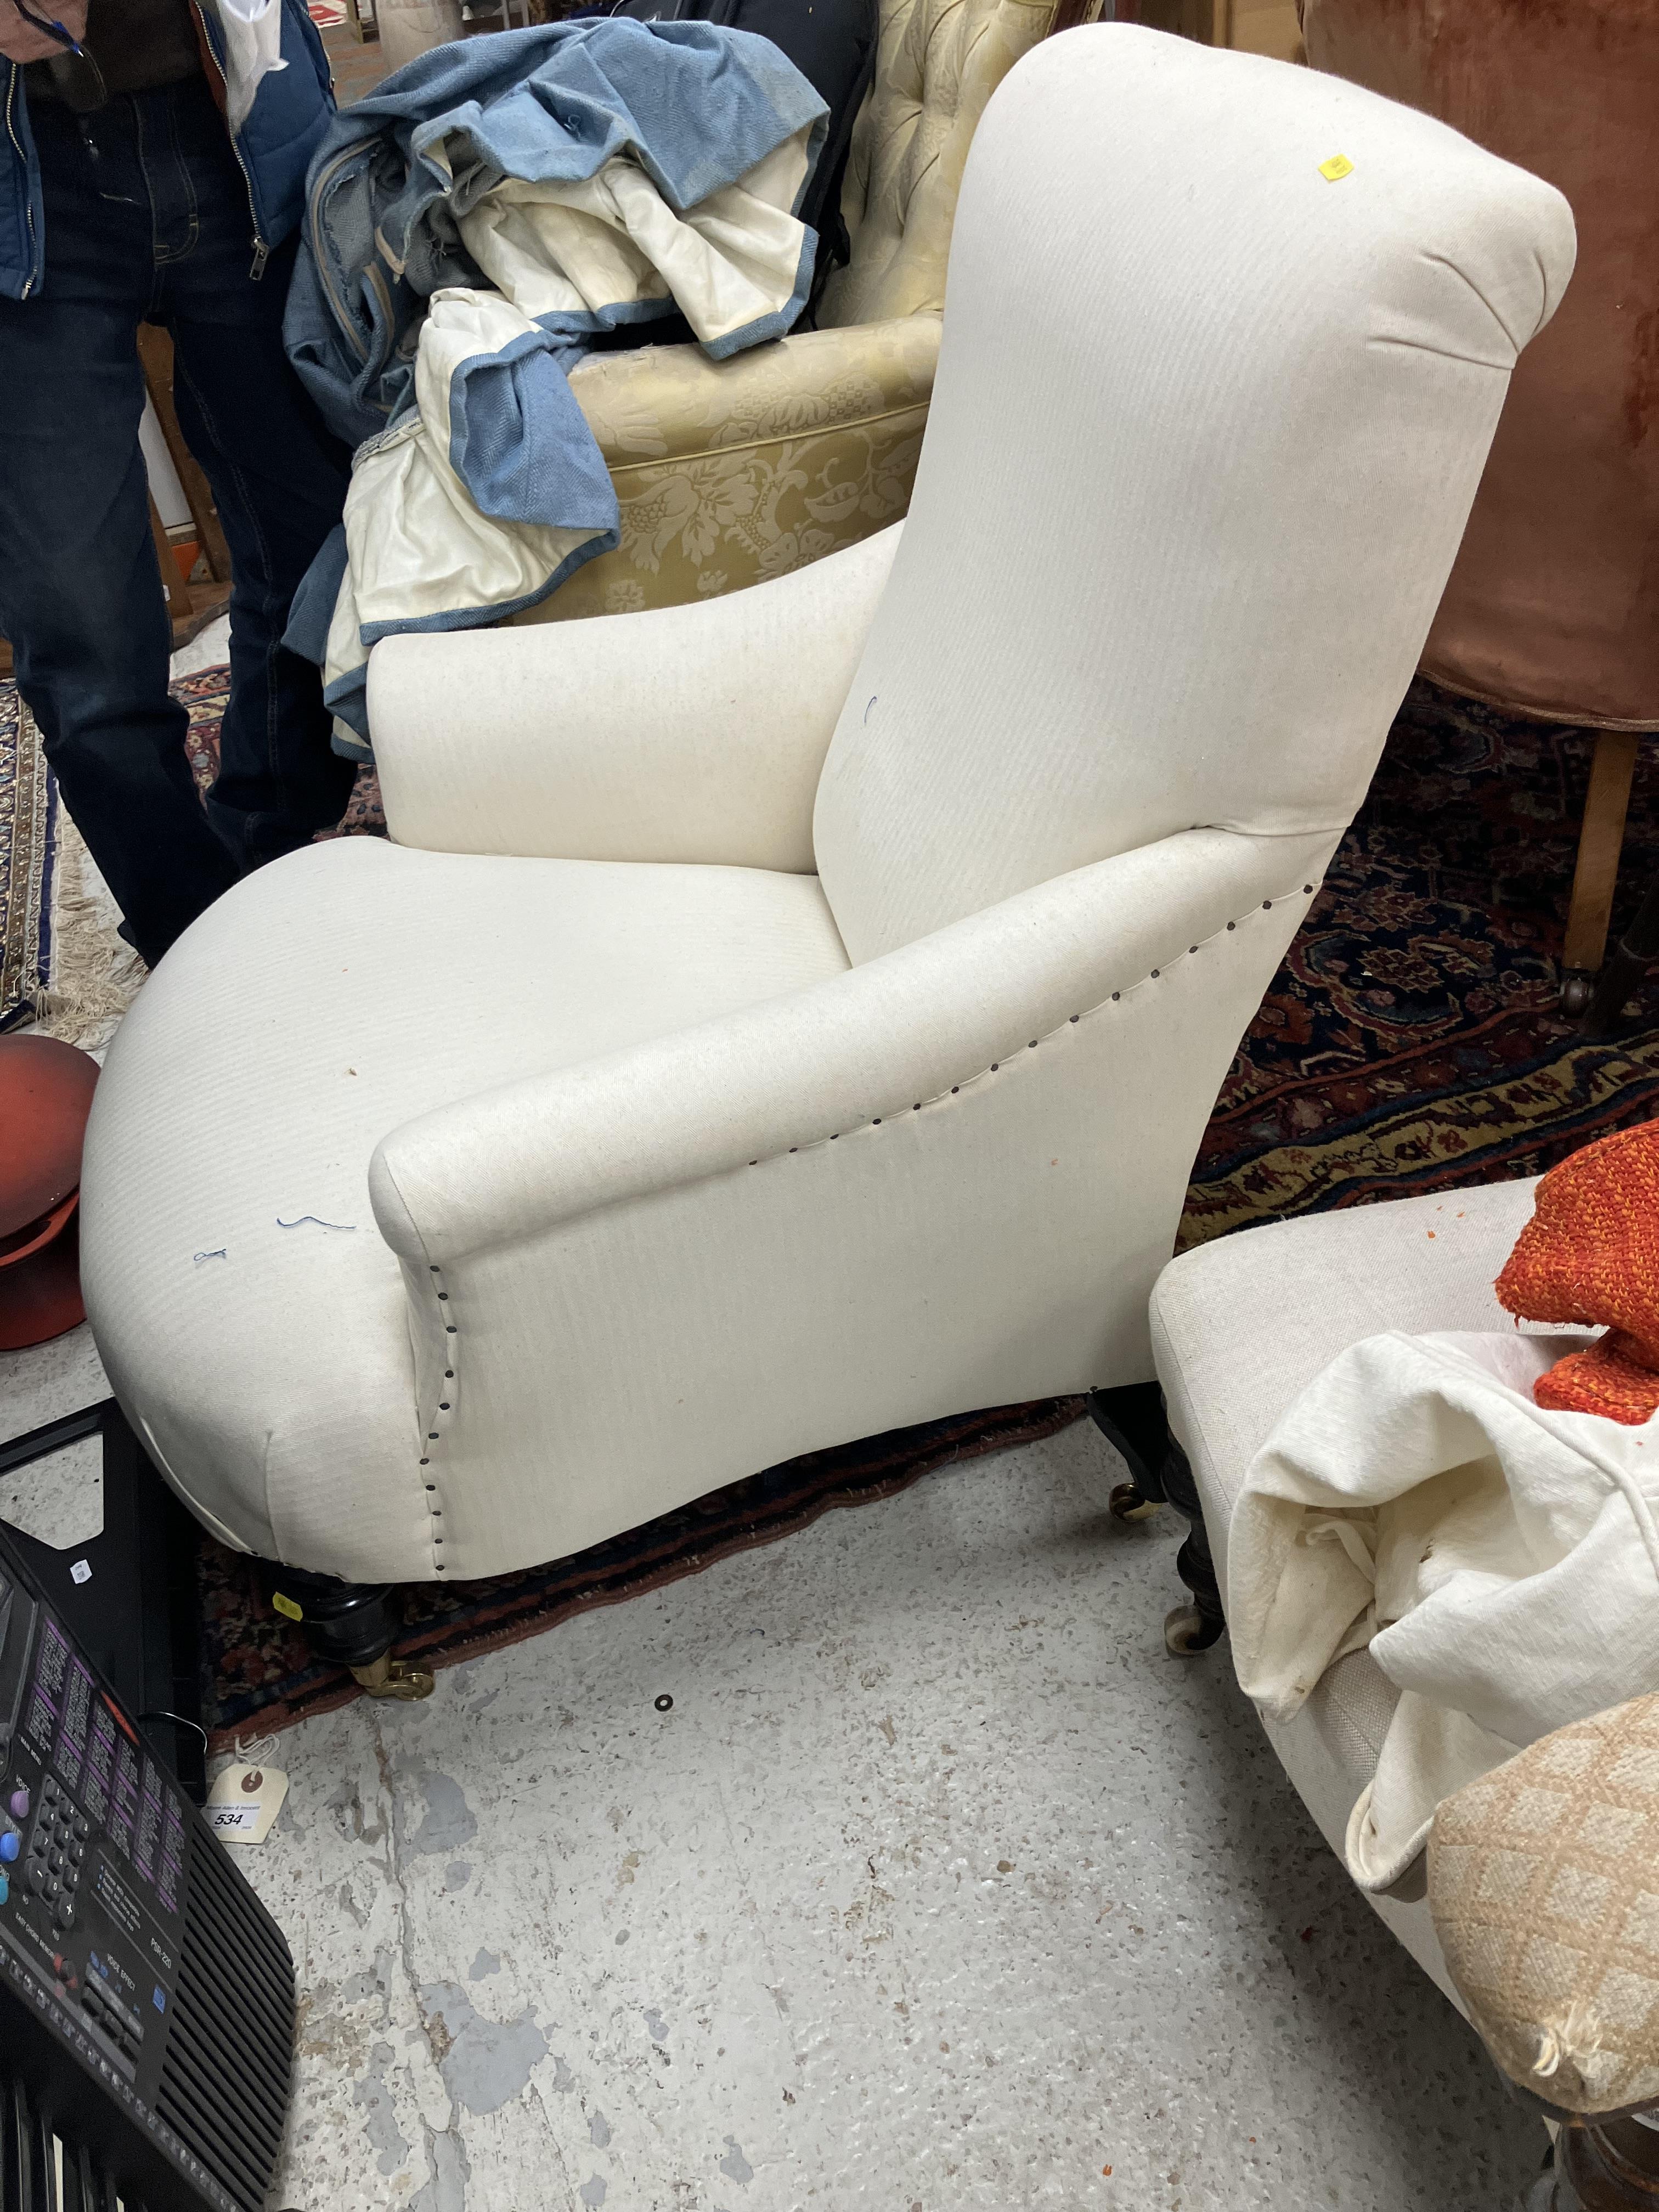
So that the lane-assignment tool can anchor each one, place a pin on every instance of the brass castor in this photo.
(349, 1625)
(387, 1677)
(1576, 985)
(1187, 1631)
(1129, 1503)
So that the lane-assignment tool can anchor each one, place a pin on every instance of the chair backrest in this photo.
(1225, 345)
(937, 63)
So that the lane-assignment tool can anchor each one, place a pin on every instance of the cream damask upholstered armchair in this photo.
(792, 1016)
(730, 471)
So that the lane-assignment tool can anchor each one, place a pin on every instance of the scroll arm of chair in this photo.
(655, 405)
(929, 1027)
(689, 733)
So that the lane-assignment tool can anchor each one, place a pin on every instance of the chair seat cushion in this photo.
(347, 988)
(1240, 1328)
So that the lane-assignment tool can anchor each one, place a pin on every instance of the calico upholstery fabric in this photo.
(729, 472)
(358, 982)
(1415, 1501)
(1240, 1328)
(1256, 621)
(700, 1207)
(1544, 1885)
(725, 768)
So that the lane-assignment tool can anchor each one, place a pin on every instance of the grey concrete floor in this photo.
(938, 1886)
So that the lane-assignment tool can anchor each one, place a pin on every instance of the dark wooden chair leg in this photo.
(1192, 1628)
(1131, 1418)
(1600, 840)
(349, 1625)
(1625, 969)
(1607, 2165)
(1132, 1421)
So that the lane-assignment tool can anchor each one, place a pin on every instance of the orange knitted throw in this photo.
(1590, 1254)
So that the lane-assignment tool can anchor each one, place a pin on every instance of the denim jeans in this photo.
(147, 221)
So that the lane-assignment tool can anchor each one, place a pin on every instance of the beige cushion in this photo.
(938, 63)
(1544, 1881)
(1240, 1328)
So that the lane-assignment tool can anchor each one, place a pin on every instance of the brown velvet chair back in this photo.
(1553, 606)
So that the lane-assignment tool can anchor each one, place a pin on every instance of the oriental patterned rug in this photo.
(64, 968)
(29, 825)
(1410, 1041)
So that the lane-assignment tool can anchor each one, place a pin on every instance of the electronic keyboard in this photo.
(146, 1999)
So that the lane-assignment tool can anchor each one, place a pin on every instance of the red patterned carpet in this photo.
(1409, 1042)
(204, 695)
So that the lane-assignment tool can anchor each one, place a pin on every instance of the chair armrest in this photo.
(863, 1204)
(910, 1034)
(665, 402)
(730, 472)
(684, 733)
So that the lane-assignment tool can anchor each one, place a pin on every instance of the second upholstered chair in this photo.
(1552, 608)
(784, 1018)
(730, 471)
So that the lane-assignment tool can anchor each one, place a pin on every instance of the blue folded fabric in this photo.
(696, 105)
(521, 443)
(312, 609)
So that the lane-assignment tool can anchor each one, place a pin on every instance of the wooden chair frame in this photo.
(190, 606)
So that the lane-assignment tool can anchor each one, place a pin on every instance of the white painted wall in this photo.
(165, 487)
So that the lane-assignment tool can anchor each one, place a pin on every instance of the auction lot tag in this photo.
(244, 1802)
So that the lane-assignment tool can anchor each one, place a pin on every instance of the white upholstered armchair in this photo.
(789, 1017)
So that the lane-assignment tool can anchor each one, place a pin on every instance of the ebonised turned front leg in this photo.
(1195, 1627)
(1607, 2165)
(1133, 1420)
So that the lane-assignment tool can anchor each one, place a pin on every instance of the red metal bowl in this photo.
(45, 1094)
(40, 1279)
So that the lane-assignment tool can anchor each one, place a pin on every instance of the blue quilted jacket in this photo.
(292, 109)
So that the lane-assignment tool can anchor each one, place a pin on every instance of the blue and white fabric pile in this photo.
(471, 227)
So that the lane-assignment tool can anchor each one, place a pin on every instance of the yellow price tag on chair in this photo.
(1336, 168)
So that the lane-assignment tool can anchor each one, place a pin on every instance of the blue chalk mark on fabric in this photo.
(220, 1254)
(300, 1219)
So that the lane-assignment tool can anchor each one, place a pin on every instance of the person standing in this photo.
(153, 170)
